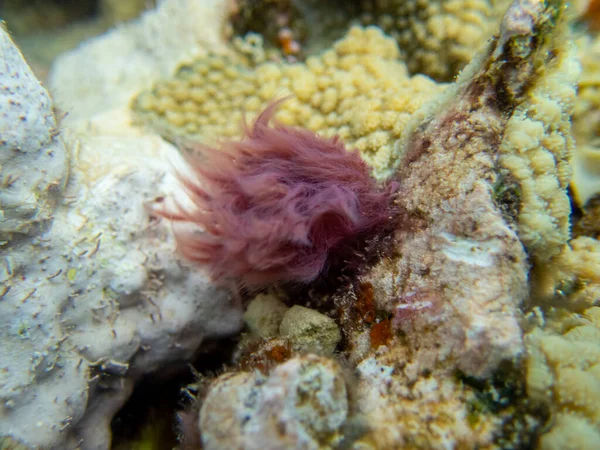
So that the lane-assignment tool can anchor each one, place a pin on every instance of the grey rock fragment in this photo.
(310, 331)
(264, 315)
(302, 404)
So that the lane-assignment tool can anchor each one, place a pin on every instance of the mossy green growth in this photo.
(9, 443)
(150, 437)
(506, 193)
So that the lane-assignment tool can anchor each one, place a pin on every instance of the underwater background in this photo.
(293, 224)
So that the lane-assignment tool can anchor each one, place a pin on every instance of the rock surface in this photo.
(93, 295)
(302, 404)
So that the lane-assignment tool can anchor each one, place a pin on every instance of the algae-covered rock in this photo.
(310, 331)
(302, 404)
(264, 315)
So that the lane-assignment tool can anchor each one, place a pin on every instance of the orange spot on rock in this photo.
(279, 353)
(592, 15)
(365, 303)
(381, 333)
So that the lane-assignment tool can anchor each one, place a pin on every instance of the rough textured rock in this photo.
(461, 269)
(310, 331)
(302, 404)
(34, 163)
(264, 314)
(96, 297)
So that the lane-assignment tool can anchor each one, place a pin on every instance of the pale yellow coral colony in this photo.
(437, 37)
(361, 90)
(586, 123)
(536, 150)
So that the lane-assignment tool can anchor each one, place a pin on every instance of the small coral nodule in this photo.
(277, 206)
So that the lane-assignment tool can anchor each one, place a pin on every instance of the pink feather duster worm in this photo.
(277, 205)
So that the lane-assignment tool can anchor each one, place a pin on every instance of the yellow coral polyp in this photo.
(536, 150)
(359, 90)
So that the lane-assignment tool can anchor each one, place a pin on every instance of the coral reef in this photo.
(437, 37)
(449, 293)
(563, 375)
(473, 325)
(450, 165)
(536, 151)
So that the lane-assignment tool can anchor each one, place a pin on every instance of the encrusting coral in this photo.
(563, 376)
(282, 204)
(536, 152)
(438, 37)
(563, 351)
(586, 124)
(358, 90)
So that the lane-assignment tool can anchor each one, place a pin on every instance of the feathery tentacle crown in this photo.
(276, 205)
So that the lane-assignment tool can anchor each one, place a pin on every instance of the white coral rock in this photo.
(96, 297)
(302, 404)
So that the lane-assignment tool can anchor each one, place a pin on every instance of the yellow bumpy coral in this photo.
(359, 90)
(586, 124)
(438, 37)
(536, 151)
(563, 375)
